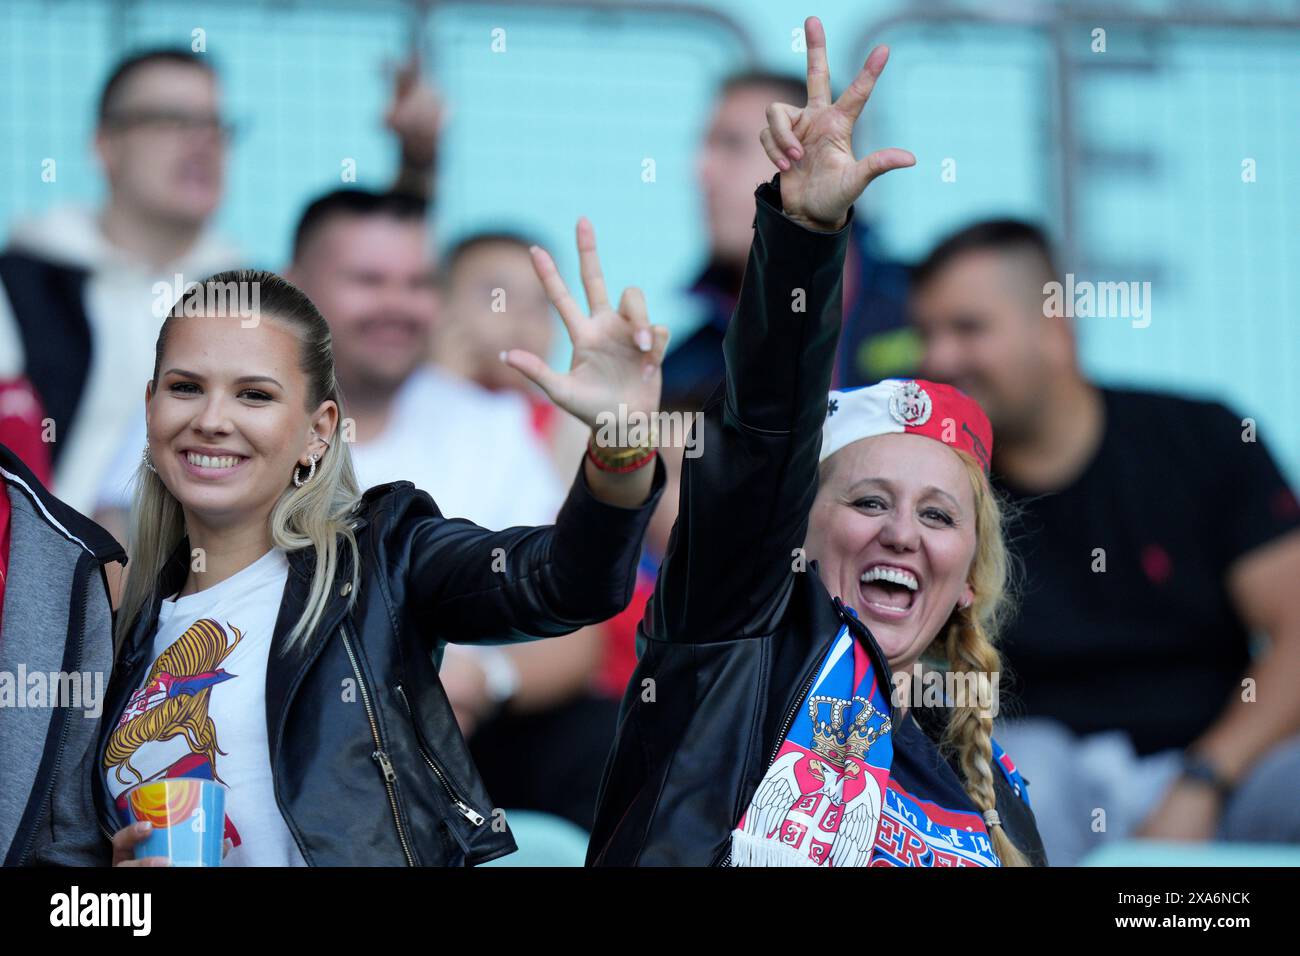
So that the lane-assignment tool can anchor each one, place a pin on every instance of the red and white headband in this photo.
(907, 406)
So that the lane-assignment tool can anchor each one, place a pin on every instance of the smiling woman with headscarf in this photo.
(825, 542)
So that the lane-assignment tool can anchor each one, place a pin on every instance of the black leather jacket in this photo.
(387, 779)
(734, 630)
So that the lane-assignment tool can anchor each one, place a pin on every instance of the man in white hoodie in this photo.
(79, 287)
(83, 292)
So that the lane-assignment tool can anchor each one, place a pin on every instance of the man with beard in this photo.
(1157, 536)
(79, 286)
(366, 260)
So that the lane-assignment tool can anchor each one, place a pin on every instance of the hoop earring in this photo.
(299, 482)
(148, 461)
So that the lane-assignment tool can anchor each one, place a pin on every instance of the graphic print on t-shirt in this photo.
(173, 705)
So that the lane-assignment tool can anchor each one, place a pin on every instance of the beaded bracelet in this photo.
(623, 462)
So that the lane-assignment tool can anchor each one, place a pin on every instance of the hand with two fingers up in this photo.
(812, 145)
(616, 367)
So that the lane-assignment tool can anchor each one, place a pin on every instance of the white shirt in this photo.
(473, 450)
(217, 642)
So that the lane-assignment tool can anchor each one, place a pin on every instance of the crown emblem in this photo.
(909, 404)
(838, 741)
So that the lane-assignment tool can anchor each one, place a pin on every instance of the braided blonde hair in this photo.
(967, 642)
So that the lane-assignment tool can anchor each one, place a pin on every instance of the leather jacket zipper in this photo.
(780, 739)
(465, 810)
(789, 719)
(380, 756)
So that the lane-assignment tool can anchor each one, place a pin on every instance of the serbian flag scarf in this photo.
(819, 803)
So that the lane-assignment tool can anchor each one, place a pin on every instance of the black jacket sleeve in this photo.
(473, 584)
(745, 498)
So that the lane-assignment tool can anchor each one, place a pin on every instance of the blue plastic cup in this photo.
(188, 816)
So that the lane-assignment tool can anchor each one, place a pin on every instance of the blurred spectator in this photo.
(1156, 534)
(365, 260)
(416, 115)
(549, 758)
(83, 292)
(875, 342)
(21, 428)
(79, 298)
(493, 301)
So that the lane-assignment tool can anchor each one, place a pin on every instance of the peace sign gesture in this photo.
(813, 146)
(617, 354)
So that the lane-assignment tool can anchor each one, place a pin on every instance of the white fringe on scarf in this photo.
(750, 850)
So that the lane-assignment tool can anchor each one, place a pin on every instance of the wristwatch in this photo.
(1201, 770)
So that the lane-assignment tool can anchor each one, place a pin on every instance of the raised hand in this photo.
(416, 114)
(617, 354)
(813, 145)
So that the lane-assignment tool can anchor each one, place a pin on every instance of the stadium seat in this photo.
(544, 840)
(1164, 853)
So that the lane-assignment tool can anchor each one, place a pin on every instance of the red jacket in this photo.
(21, 414)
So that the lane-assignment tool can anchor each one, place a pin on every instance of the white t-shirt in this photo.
(213, 676)
(473, 450)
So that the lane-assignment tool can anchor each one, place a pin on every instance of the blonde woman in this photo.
(823, 546)
(280, 631)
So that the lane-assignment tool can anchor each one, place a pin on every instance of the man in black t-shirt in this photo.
(1156, 535)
